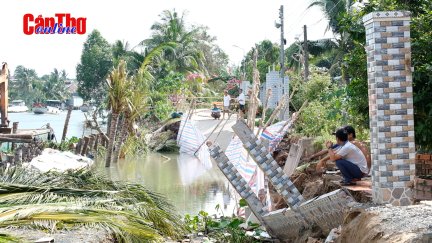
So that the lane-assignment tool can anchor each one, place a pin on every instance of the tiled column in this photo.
(388, 50)
(259, 152)
(238, 182)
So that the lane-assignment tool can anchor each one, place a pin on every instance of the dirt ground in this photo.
(389, 224)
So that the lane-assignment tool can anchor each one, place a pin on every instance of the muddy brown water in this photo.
(188, 184)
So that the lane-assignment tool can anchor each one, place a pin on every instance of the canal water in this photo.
(188, 184)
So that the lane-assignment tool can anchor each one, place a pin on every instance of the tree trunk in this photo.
(112, 133)
(66, 124)
(109, 124)
(120, 140)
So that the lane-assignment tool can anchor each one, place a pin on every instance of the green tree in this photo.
(54, 85)
(421, 38)
(96, 62)
(185, 56)
(22, 87)
(118, 90)
(268, 55)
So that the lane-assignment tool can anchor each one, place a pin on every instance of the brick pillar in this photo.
(388, 50)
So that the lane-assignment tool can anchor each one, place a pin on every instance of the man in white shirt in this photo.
(226, 103)
(348, 157)
(242, 101)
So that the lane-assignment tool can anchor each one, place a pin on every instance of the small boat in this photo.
(51, 107)
(39, 108)
(17, 106)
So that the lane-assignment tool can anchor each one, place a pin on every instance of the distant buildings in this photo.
(74, 100)
(278, 88)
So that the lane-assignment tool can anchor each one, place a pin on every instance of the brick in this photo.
(397, 23)
(404, 39)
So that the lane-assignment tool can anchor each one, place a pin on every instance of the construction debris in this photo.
(51, 159)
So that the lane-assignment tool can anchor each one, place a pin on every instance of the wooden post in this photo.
(85, 146)
(91, 143)
(97, 138)
(78, 146)
(4, 103)
(66, 125)
(18, 155)
(14, 131)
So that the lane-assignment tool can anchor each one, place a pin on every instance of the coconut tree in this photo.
(136, 95)
(51, 201)
(334, 10)
(187, 56)
(118, 89)
(136, 106)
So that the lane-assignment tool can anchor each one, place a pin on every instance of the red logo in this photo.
(62, 23)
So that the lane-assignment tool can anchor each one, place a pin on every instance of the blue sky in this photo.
(233, 22)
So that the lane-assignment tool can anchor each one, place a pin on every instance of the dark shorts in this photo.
(242, 107)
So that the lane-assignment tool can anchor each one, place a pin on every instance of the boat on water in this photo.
(17, 106)
(51, 107)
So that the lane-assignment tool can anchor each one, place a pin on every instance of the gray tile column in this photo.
(238, 182)
(391, 112)
(259, 152)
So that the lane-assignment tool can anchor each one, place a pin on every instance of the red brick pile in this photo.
(423, 181)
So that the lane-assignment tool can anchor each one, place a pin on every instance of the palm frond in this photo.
(82, 198)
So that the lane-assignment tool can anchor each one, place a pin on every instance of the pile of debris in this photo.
(307, 180)
(164, 138)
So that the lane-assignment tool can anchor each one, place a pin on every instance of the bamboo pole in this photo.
(189, 115)
(263, 115)
(253, 104)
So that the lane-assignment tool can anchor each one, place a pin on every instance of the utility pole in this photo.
(282, 47)
(306, 54)
(285, 113)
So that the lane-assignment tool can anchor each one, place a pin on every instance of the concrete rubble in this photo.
(56, 160)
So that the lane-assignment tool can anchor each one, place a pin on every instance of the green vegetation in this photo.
(66, 201)
(223, 229)
(96, 62)
(341, 63)
(27, 86)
